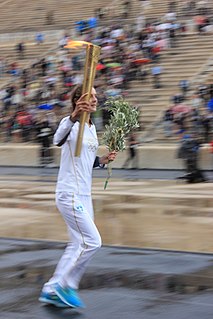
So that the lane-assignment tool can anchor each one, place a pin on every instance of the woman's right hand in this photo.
(81, 106)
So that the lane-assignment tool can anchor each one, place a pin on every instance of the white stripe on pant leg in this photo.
(73, 215)
(81, 243)
(91, 241)
(70, 251)
(76, 271)
(79, 271)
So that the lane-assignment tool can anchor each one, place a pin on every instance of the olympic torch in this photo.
(92, 57)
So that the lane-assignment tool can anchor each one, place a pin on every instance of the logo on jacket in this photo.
(92, 145)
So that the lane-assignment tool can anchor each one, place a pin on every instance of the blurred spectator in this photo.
(188, 151)
(39, 38)
(63, 41)
(20, 48)
(168, 122)
(200, 23)
(203, 92)
(196, 122)
(172, 35)
(24, 121)
(14, 69)
(206, 121)
(44, 132)
(2, 67)
(9, 121)
(99, 13)
(210, 90)
(126, 9)
(170, 16)
(50, 17)
(196, 101)
(44, 66)
(140, 23)
(180, 121)
(184, 86)
(211, 151)
(132, 150)
(81, 27)
(177, 98)
(156, 72)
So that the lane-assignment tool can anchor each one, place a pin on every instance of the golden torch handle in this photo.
(92, 56)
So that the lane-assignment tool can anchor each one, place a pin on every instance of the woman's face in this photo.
(93, 101)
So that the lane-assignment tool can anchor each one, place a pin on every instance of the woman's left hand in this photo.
(105, 159)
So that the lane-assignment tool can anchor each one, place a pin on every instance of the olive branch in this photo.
(123, 119)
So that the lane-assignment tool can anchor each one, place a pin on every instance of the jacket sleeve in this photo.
(97, 163)
(62, 131)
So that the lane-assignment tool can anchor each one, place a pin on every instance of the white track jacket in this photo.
(75, 173)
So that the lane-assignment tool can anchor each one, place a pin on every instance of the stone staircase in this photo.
(184, 62)
(31, 53)
(30, 19)
(31, 15)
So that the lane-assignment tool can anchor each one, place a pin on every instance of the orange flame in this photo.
(76, 44)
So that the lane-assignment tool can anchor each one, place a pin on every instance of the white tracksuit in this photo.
(73, 199)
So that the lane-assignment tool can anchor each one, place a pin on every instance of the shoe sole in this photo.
(54, 303)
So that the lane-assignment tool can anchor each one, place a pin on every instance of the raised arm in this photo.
(67, 123)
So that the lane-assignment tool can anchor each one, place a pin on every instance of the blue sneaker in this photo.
(52, 299)
(68, 296)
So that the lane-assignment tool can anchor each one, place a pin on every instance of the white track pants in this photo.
(77, 211)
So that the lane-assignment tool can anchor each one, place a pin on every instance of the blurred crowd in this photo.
(195, 117)
(36, 98)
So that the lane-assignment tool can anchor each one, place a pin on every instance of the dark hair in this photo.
(76, 94)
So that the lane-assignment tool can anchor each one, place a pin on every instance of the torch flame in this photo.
(76, 44)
